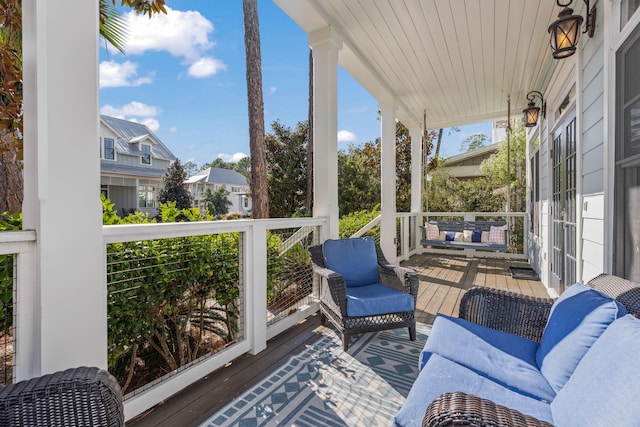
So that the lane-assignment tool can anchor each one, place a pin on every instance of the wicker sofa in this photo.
(76, 397)
(514, 360)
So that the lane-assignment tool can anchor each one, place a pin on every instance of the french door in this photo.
(563, 204)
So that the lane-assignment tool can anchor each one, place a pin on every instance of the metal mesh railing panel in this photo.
(289, 275)
(7, 282)
(171, 303)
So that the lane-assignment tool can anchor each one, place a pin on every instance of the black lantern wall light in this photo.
(565, 31)
(531, 113)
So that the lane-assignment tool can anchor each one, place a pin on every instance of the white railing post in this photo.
(255, 268)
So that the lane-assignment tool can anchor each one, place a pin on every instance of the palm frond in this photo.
(113, 27)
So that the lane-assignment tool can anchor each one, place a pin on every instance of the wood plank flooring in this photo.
(443, 281)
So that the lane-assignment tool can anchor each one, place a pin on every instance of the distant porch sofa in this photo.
(511, 360)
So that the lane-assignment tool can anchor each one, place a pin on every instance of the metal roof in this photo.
(108, 166)
(219, 176)
(457, 59)
(129, 134)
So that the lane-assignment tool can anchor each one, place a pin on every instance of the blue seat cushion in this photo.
(377, 299)
(507, 359)
(354, 259)
(576, 321)
(604, 388)
(441, 375)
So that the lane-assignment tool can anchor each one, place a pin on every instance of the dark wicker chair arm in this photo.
(76, 397)
(333, 288)
(457, 409)
(506, 311)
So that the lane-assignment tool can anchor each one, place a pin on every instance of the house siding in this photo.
(593, 155)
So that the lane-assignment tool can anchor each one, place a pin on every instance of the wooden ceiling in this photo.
(457, 59)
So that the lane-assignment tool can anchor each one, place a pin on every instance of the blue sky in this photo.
(184, 76)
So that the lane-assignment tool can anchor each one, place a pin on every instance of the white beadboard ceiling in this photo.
(457, 59)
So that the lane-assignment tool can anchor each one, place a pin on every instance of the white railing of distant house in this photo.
(258, 244)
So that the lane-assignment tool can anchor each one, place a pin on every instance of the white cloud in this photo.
(136, 112)
(114, 74)
(205, 67)
(173, 129)
(272, 90)
(134, 108)
(347, 136)
(184, 34)
(232, 158)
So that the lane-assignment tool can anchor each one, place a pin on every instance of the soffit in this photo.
(457, 59)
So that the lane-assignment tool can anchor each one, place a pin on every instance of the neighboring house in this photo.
(133, 162)
(466, 165)
(213, 178)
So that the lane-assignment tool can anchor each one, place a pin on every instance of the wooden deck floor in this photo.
(443, 280)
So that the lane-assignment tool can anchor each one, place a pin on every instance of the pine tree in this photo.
(174, 188)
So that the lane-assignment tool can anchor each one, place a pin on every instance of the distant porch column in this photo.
(416, 176)
(326, 44)
(388, 179)
(62, 312)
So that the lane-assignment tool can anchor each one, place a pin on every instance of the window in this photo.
(109, 152)
(628, 8)
(626, 262)
(146, 196)
(104, 190)
(246, 202)
(146, 154)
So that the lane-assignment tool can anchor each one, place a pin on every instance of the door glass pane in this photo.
(632, 129)
(632, 224)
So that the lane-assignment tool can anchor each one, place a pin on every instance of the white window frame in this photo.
(142, 157)
(104, 148)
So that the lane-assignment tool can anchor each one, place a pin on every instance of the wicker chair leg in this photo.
(412, 332)
(345, 341)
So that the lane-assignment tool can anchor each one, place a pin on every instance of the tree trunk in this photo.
(256, 110)
(11, 183)
(310, 139)
(438, 144)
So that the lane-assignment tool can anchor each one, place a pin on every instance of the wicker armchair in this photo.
(517, 314)
(75, 397)
(333, 298)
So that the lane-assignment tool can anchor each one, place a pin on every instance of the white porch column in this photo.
(388, 179)
(416, 177)
(416, 169)
(67, 312)
(326, 44)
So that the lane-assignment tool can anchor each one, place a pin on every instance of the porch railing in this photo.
(16, 265)
(189, 298)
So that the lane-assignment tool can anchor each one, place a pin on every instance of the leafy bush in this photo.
(351, 223)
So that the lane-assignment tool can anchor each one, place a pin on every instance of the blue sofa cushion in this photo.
(354, 259)
(576, 321)
(507, 359)
(441, 375)
(377, 299)
(604, 388)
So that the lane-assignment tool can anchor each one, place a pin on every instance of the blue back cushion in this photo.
(476, 236)
(604, 389)
(354, 259)
(577, 320)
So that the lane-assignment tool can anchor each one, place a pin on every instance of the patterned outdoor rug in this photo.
(326, 386)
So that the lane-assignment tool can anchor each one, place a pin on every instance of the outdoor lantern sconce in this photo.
(565, 31)
(531, 113)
